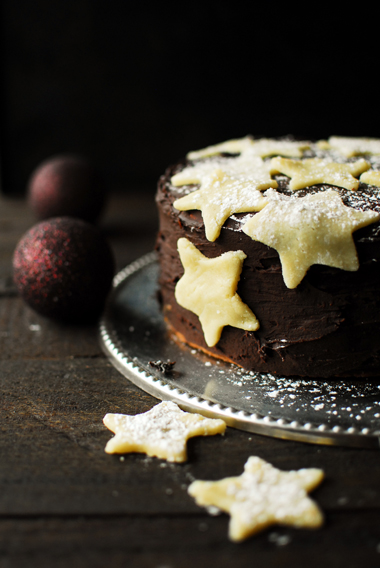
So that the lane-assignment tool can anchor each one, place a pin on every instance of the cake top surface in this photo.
(316, 194)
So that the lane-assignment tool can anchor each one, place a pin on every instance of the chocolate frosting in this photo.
(329, 326)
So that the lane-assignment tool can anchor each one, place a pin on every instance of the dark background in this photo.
(134, 86)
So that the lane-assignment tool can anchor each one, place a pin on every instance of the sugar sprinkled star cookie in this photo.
(227, 187)
(315, 229)
(313, 171)
(262, 496)
(161, 432)
(263, 147)
(372, 177)
(208, 289)
(350, 147)
(235, 146)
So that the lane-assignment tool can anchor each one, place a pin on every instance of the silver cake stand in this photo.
(134, 336)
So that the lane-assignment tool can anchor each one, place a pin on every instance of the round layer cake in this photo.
(269, 254)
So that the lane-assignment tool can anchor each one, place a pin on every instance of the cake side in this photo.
(327, 326)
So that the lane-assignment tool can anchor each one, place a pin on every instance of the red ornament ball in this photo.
(66, 186)
(63, 268)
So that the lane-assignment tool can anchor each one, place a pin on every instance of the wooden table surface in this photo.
(64, 502)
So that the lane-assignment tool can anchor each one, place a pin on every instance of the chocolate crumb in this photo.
(162, 366)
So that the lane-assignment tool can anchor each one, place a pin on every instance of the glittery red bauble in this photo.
(63, 268)
(66, 186)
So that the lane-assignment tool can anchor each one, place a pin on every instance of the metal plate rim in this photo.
(129, 366)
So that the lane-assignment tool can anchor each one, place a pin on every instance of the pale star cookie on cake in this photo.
(312, 171)
(226, 187)
(315, 229)
(350, 146)
(263, 147)
(208, 289)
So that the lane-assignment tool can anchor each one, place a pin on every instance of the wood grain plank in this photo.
(201, 541)
(53, 462)
(24, 334)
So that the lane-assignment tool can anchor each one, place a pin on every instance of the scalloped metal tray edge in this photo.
(135, 367)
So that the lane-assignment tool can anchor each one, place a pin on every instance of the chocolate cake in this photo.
(269, 254)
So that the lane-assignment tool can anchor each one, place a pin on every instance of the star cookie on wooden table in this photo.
(262, 496)
(312, 171)
(208, 289)
(315, 229)
(161, 432)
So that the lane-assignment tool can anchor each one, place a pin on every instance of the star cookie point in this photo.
(372, 177)
(248, 145)
(262, 496)
(208, 289)
(161, 432)
(314, 171)
(350, 146)
(234, 146)
(227, 186)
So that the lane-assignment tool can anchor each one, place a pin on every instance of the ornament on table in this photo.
(63, 268)
(66, 185)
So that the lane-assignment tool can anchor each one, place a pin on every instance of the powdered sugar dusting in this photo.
(329, 402)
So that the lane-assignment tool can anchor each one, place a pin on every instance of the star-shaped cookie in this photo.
(372, 177)
(162, 431)
(262, 496)
(312, 171)
(224, 190)
(315, 229)
(208, 289)
(350, 146)
(263, 148)
(235, 146)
